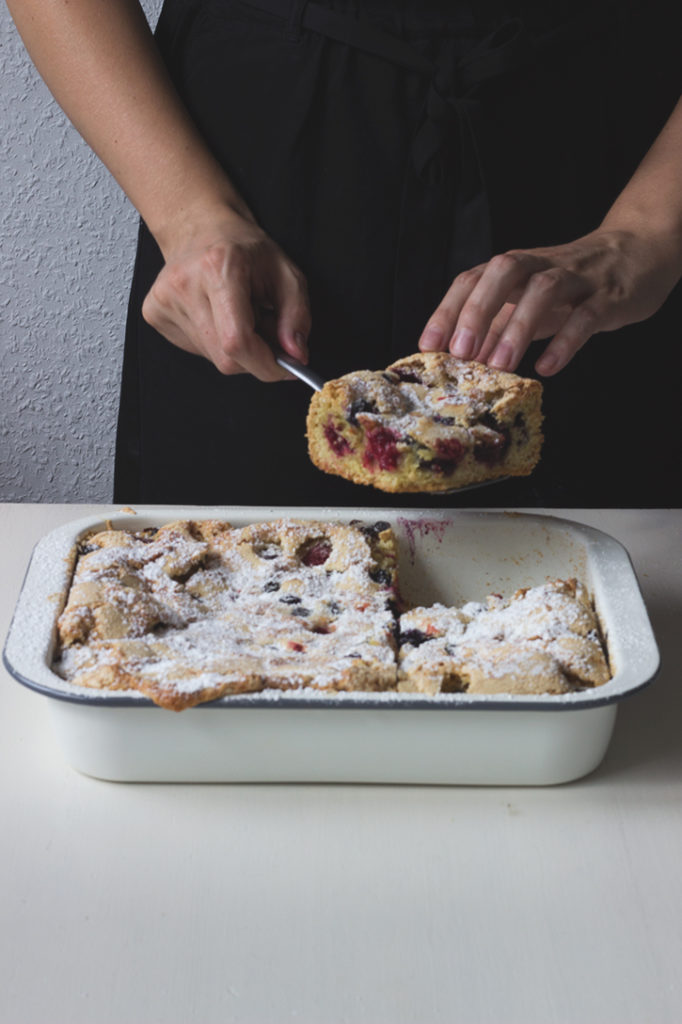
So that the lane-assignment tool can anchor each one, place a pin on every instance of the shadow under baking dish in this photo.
(450, 556)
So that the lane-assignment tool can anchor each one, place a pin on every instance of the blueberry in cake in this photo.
(429, 422)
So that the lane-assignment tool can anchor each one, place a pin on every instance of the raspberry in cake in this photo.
(543, 639)
(429, 422)
(194, 610)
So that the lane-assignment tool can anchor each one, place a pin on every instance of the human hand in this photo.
(600, 282)
(227, 292)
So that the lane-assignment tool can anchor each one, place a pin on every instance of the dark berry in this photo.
(488, 420)
(371, 529)
(354, 654)
(359, 405)
(290, 599)
(334, 607)
(301, 612)
(381, 449)
(449, 449)
(449, 454)
(415, 637)
(336, 441)
(442, 467)
(407, 376)
(447, 421)
(317, 553)
(271, 586)
(382, 576)
(86, 549)
(491, 449)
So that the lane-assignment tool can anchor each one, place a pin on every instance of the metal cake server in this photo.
(316, 382)
(303, 373)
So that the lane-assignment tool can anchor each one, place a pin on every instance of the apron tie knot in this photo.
(445, 142)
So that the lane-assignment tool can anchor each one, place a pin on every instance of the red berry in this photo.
(317, 553)
(449, 449)
(381, 449)
(336, 441)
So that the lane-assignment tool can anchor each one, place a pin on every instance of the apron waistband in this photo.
(354, 31)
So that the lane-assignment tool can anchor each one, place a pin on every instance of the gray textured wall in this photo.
(67, 246)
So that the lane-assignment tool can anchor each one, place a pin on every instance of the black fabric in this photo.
(387, 146)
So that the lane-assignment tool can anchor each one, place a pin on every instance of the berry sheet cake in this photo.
(196, 610)
(429, 422)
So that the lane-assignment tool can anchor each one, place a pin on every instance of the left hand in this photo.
(600, 282)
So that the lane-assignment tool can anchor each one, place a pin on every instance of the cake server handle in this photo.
(303, 373)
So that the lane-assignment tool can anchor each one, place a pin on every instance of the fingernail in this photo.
(502, 357)
(463, 343)
(300, 343)
(547, 365)
(431, 339)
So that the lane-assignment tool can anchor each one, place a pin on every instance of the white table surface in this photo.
(327, 904)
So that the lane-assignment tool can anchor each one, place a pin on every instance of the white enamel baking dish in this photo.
(449, 556)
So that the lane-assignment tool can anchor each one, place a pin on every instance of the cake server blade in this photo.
(301, 371)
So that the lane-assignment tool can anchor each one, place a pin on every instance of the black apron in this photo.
(385, 146)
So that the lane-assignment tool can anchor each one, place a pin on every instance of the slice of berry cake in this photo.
(196, 610)
(543, 639)
(429, 422)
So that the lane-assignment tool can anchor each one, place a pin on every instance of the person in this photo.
(350, 181)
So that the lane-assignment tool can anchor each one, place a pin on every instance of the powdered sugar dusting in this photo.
(543, 639)
(202, 609)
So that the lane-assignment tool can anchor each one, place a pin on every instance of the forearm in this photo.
(651, 203)
(100, 61)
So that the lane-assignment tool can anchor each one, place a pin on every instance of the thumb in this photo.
(293, 313)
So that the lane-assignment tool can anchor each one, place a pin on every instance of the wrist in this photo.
(662, 230)
(662, 237)
(193, 217)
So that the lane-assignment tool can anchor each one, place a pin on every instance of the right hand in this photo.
(227, 292)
